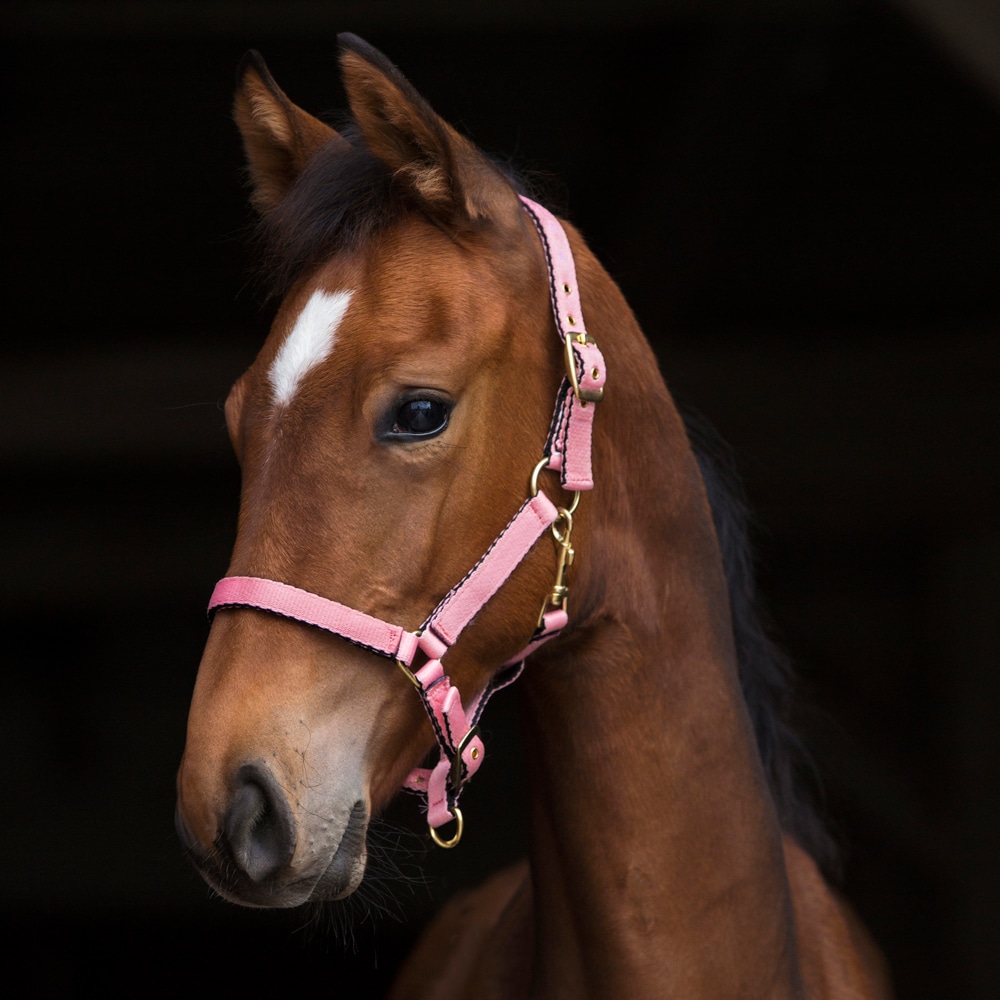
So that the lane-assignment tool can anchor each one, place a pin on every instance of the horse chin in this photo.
(340, 879)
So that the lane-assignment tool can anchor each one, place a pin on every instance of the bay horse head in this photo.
(387, 433)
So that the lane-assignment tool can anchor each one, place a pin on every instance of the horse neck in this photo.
(656, 852)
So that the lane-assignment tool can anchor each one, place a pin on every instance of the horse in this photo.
(398, 558)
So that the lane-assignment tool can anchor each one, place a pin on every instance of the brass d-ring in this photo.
(534, 475)
(571, 509)
(460, 827)
(410, 675)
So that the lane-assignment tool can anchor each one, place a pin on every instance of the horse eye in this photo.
(421, 418)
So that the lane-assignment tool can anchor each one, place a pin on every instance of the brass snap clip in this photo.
(565, 554)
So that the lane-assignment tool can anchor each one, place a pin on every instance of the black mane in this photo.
(765, 671)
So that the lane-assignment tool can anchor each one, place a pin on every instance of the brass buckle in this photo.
(455, 778)
(584, 395)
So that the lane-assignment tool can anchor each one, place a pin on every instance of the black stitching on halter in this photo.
(446, 600)
(565, 402)
(571, 403)
(438, 732)
(547, 250)
(558, 418)
(302, 621)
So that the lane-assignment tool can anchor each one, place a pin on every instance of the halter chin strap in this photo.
(567, 451)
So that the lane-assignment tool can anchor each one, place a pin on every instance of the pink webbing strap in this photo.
(464, 601)
(569, 443)
(302, 605)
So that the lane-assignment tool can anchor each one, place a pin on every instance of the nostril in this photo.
(258, 824)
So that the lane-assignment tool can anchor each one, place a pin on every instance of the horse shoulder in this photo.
(478, 945)
(838, 958)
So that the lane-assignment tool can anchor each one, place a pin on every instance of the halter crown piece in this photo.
(567, 451)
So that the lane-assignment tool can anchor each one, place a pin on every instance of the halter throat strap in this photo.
(567, 451)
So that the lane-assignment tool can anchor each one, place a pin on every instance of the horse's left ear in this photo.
(446, 172)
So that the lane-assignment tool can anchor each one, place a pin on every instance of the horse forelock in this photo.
(342, 197)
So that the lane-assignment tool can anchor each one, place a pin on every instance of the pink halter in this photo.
(567, 450)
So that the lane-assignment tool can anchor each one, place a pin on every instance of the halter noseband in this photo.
(567, 451)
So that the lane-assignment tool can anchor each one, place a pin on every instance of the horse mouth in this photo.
(291, 885)
(347, 866)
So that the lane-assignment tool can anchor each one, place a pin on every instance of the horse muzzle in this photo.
(265, 853)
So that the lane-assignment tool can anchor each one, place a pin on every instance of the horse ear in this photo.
(445, 171)
(278, 137)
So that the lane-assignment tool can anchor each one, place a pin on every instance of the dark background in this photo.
(802, 203)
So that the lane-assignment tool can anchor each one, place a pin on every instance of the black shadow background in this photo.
(804, 210)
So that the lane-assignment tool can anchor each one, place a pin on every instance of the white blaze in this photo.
(310, 342)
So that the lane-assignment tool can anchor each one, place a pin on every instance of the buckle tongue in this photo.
(584, 395)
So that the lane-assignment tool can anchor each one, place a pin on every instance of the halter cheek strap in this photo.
(567, 451)
(568, 446)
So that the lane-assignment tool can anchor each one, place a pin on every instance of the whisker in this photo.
(394, 872)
